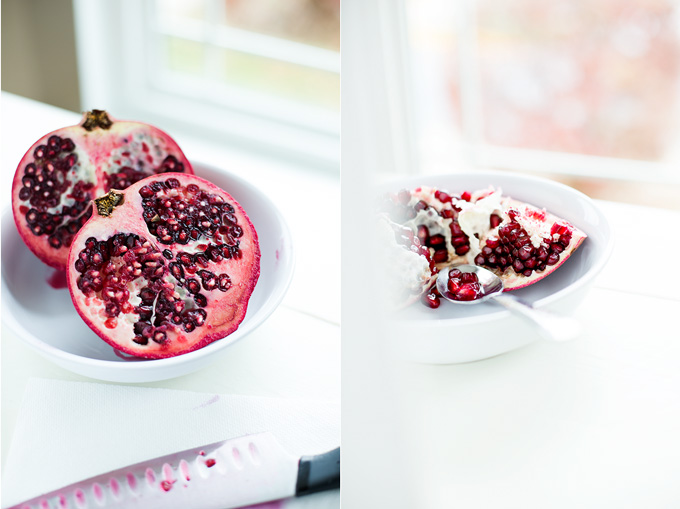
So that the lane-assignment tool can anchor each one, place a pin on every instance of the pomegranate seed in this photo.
(453, 285)
(208, 279)
(466, 196)
(404, 196)
(67, 145)
(524, 252)
(423, 234)
(442, 196)
(556, 247)
(421, 205)
(177, 271)
(193, 286)
(440, 256)
(146, 192)
(236, 231)
(459, 241)
(495, 220)
(467, 292)
(436, 240)
(469, 277)
(559, 228)
(431, 300)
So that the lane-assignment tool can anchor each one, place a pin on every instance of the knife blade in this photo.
(232, 473)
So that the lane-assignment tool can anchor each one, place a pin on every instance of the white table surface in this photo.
(294, 354)
(594, 423)
(591, 423)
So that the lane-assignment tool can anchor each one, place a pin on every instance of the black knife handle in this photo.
(318, 473)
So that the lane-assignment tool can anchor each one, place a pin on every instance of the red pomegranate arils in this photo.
(64, 170)
(521, 243)
(143, 287)
(463, 286)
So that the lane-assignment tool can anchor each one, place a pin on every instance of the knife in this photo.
(233, 473)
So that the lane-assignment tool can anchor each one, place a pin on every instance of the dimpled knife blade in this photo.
(232, 473)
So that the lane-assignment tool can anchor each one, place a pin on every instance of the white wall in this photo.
(38, 51)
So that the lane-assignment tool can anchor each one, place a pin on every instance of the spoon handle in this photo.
(552, 327)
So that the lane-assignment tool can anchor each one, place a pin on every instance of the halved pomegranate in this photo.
(521, 243)
(165, 266)
(65, 169)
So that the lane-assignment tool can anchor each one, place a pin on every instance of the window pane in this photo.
(176, 11)
(595, 77)
(286, 51)
(273, 77)
(184, 56)
(313, 22)
(589, 76)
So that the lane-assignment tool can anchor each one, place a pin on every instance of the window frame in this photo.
(114, 74)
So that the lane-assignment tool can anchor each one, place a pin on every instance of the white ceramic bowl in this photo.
(44, 317)
(455, 334)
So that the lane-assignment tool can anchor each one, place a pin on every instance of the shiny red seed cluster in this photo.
(512, 248)
(107, 267)
(44, 183)
(191, 214)
(463, 286)
(125, 176)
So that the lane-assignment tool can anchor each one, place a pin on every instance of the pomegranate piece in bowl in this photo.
(64, 170)
(165, 266)
(519, 242)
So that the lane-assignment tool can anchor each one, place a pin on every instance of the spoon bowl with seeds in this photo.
(471, 284)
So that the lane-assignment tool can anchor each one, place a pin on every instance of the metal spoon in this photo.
(552, 327)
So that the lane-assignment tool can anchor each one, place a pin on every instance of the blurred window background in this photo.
(583, 91)
(263, 75)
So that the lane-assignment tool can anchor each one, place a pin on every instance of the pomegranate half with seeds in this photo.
(64, 170)
(521, 243)
(165, 266)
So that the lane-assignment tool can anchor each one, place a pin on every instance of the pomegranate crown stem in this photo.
(96, 119)
(107, 203)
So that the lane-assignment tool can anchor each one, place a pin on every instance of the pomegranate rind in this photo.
(99, 153)
(226, 311)
(540, 225)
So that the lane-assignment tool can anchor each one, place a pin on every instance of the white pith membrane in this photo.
(64, 170)
(407, 272)
(178, 262)
(486, 229)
